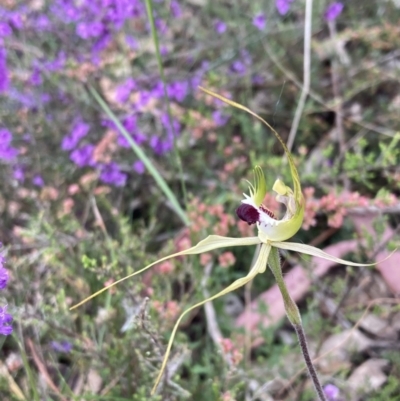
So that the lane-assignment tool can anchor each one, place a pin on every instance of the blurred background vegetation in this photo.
(111, 157)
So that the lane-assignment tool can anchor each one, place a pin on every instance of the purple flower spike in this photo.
(5, 29)
(36, 77)
(3, 275)
(5, 318)
(79, 130)
(331, 392)
(4, 80)
(83, 156)
(111, 174)
(178, 90)
(259, 21)
(5, 322)
(333, 11)
(7, 152)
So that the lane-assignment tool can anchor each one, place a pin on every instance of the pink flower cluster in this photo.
(168, 311)
(231, 351)
(203, 216)
(336, 207)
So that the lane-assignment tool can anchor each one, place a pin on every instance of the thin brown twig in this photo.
(43, 370)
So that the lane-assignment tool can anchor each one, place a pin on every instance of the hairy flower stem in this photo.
(294, 317)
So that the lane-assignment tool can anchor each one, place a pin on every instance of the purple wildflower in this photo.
(257, 79)
(220, 27)
(18, 173)
(56, 64)
(176, 9)
(124, 90)
(5, 136)
(259, 21)
(138, 137)
(283, 6)
(99, 46)
(15, 19)
(164, 50)
(333, 11)
(4, 80)
(177, 90)
(7, 152)
(79, 130)
(36, 77)
(331, 392)
(160, 25)
(219, 118)
(5, 29)
(45, 98)
(38, 180)
(42, 23)
(25, 99)
(138, 166)
(144, 99)
(5, 322)
(172, 129)
(63, 346)
(5, 318)
(130, 123)
(158, 90)
(131, 42)
(238, 67)
(122, 141)
(111, 174)
(83, 156)
(3, 274)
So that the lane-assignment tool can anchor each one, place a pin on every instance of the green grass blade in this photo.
(149, 9)
(142, 156)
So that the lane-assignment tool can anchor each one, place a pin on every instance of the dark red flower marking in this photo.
(268, 212)
(248, 213)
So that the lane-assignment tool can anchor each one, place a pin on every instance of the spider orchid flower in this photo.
(272, 233)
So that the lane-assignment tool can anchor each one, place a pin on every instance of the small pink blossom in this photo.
(226, 259)
(166, 267)
(205, 259)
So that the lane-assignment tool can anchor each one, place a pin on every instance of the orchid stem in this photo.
(293, 314)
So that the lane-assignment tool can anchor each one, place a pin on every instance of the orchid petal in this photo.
(206, 245)
(258, 267)
(284, 229)
(311, 250)
(260, 186)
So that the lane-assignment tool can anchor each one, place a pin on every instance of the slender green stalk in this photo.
(294, 317)
(149, 9)
(142, 156)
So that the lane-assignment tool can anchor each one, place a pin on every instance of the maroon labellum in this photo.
(248, 213)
